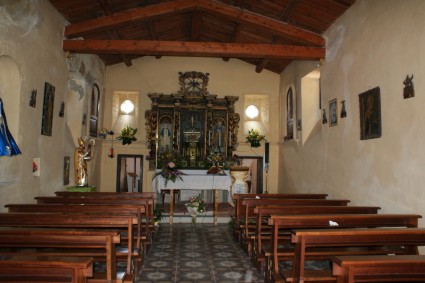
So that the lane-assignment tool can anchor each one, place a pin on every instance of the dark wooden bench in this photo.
(335, 221)
(45, 269)
(63, 243)
(263, 230)
(395, 268)
(143, 233)
(247, 228)
(239, 211)
(105, 194)
(111, 201)
(72, 220)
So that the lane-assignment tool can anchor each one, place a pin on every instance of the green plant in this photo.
(127, 135)
(157, 214)
(255, 136)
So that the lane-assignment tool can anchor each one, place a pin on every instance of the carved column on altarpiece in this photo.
(233, 122)
(209, 119)
(176, 126)
(151, 123)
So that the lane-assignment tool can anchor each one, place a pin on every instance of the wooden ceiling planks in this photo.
(251, 24)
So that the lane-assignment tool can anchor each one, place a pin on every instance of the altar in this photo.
(197, 180)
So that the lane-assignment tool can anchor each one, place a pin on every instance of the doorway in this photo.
(255, 175)
(129, 173)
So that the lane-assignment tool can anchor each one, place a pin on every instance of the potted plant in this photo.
(157, 215)
(254, 137)
(127, 135)
(194, 206)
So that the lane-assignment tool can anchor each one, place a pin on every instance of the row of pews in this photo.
(62, 238)
(309, 238)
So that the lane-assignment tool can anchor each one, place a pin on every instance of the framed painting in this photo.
(333, 112)
(370, 114)
(48, 103)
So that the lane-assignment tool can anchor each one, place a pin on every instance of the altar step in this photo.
(202, 218)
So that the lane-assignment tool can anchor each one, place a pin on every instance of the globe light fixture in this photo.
(251, 111)
(127, 106)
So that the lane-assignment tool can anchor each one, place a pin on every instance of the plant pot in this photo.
(255, 143)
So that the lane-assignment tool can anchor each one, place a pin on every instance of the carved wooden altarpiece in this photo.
(193, 121)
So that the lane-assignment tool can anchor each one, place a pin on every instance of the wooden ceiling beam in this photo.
(194, 49)
(124, 17)
(112, 34)
(247, 17)
(263, 63)
(209, 6)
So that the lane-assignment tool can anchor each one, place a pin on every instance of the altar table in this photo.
(195, 180)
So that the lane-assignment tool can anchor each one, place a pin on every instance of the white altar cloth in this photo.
(195, 180)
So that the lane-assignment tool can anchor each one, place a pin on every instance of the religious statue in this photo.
(81, 156)
(165, 132)
(218, 135)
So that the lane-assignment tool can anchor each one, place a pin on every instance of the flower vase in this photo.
(255, 143)
(193, 211)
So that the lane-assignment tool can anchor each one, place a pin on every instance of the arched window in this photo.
(289, 114)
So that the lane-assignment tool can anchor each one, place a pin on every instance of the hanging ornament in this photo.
(8, 146)
(111, 149)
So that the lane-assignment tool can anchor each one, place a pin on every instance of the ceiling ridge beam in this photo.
(247, 17)
(123, 17)
(194, 49)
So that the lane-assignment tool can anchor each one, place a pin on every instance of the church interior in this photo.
(330, 85)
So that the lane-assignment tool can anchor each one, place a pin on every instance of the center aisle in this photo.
(196, 253)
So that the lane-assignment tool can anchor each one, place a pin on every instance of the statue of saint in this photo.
(80, 164)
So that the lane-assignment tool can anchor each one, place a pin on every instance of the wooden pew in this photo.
(325, 244)
(142, 236)
(335, 221)
(238, 214)
(249, 204)
(106, 194)
(398, 268)
(65, 243)
(111, 201)
(45, 269)
(86, 221)
(262, 231)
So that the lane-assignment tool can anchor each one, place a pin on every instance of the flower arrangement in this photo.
(195, 205)
(170, 164)
(215, 163)
(127, 135)
(254, 137)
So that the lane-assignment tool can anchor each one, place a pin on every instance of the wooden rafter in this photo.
(209, 6)
(201, 49)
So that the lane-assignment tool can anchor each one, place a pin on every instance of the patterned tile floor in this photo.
(201, 253)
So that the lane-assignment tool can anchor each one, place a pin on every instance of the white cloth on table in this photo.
(197, 180)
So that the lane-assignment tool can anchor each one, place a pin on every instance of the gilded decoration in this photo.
(192, 121)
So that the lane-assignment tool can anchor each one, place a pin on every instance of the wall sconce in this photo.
(343, 111)
(251, 111)
(127, 107)
(324, 119)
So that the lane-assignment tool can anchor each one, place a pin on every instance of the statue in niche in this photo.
(218, 135)
(165, 132)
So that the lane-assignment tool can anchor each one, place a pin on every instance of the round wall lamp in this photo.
(127, 106)
(251, 111)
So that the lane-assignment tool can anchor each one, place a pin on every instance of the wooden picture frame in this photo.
(333, 112)
(48, 104)
(370, 114)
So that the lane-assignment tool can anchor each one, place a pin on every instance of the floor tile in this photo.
(200, 253)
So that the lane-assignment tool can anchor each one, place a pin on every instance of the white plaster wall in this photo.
(31, 34)
(234, 78)
(375, 43)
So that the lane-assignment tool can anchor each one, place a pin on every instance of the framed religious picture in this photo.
(48, 103)
(333, 113)
(66, 165)
(370, 114)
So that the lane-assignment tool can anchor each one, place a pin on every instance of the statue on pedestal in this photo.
(80, 163)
